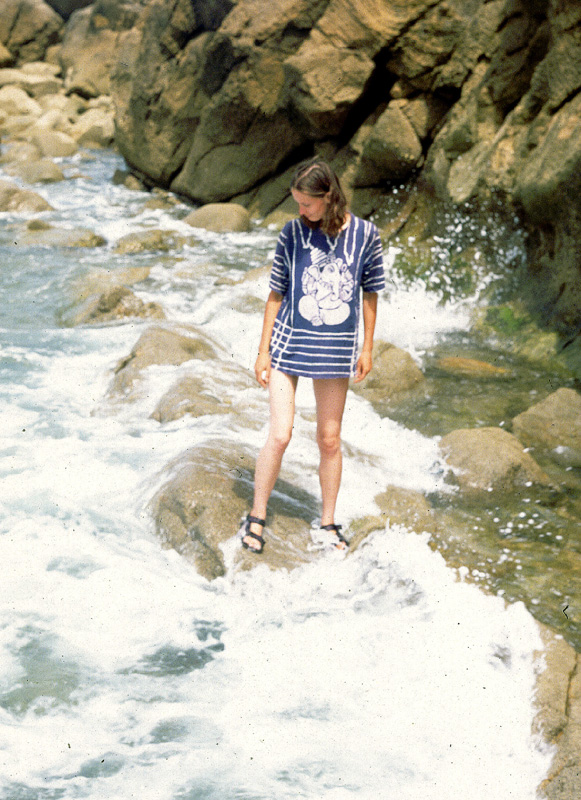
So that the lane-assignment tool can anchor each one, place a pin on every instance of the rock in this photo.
(558, 720)
(555, 424)
(94, 128)
(394, 372)
(407, 508)
(39, 171)
(28, 28)
(15, 101)
(208, 492)
(67, 7)
(391, 150)
(471, 367)
(158, 346)
(47, 236)
(6, 57)
(188, 396)
(151, 240)
(490, 459)
(53, 144)
(220, 218)
(20, 200)
(92, 42)
(115, 304)
(34, 83)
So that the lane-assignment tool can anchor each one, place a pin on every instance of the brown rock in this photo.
(220, 217)
(158, 346)
(490, 459)
(553, 423)
(28, 28)
(394, 372)
(115, 304)
(471, 367)
(208, 492)
(21, 200)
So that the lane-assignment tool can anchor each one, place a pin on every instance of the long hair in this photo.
(316, 178)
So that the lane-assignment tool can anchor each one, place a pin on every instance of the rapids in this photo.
(123, 674)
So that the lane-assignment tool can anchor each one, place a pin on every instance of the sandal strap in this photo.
(336, 530)
(254, 536)
(256, 520)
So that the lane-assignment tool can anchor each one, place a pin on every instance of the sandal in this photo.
(246, 532)
(336, 530)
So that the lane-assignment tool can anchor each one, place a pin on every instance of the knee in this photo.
(329, 442)
(280, 439)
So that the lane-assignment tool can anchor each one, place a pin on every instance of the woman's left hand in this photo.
(364, 364)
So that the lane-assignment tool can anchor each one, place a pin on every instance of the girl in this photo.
(327, 267)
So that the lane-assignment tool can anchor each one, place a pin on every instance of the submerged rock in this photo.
(114, 305)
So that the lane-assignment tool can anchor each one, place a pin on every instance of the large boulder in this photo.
(394, 374)
(92, 41)
(490, 459)
(28, 28)
(208, 491)
(555, 424)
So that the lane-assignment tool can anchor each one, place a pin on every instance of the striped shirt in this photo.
(321, 278)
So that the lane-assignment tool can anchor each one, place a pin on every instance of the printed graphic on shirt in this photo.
(327, 286)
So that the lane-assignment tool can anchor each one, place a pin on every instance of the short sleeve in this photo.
(280, 273)
(373, 275)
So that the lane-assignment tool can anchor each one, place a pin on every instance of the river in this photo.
(124, 674)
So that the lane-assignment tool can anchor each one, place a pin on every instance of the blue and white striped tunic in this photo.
(321, 277)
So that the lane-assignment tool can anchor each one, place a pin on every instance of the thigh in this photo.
(330, 396)
(282, 389)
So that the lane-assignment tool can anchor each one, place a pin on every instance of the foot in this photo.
(252, 534)
(334, 537)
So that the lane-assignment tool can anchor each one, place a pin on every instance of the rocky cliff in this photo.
(471, 100)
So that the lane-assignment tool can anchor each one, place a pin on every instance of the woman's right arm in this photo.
(262, 365)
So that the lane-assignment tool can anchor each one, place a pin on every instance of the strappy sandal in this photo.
(246, 532)
(336, 530)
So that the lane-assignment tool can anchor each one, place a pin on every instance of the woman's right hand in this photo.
(262, 369)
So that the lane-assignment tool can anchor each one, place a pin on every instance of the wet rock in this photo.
(471, 367)
(558, 720)
(394, 373)
(490, 459)
(216, 390)
(208, 492)
(12, 198)
(41, 171)
(158, 345)
(47, 236)
(113, 305)
(220, 218)
(555, 424)
(401, 507)
(151, 240)
(391, 150)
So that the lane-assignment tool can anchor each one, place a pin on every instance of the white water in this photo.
(123, 674)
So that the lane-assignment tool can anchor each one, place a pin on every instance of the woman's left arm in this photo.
(365, 361)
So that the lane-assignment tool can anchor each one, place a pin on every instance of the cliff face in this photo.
(471, 99)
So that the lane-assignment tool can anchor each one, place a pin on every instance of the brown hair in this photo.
(316, 178)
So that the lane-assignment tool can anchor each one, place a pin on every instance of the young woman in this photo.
(328, 267)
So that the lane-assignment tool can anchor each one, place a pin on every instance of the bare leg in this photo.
(282, 390)
(330, 396)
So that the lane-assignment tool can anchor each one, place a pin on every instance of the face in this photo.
(312, 208)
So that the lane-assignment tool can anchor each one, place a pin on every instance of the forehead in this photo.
(303, 198)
